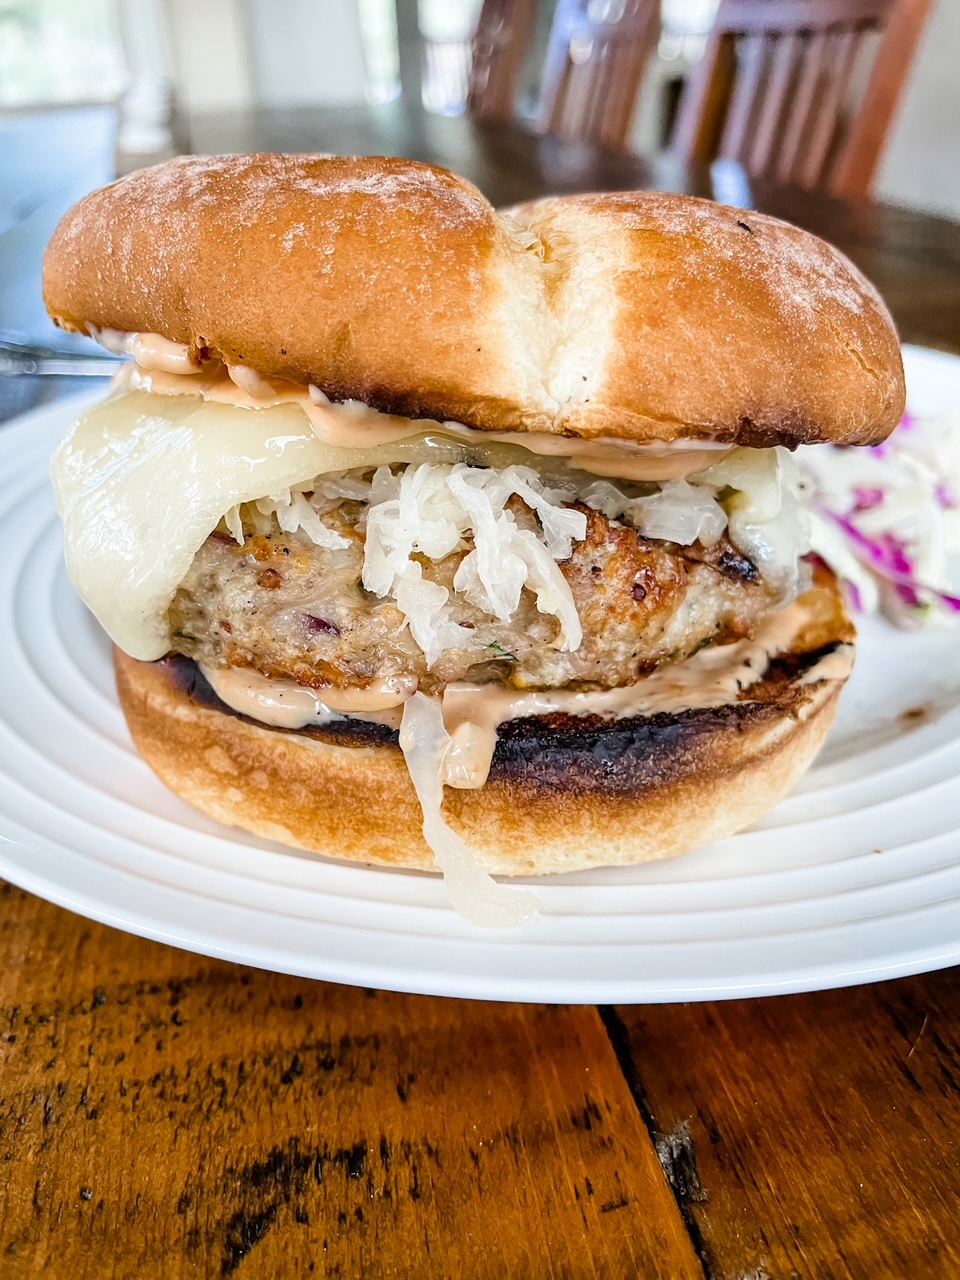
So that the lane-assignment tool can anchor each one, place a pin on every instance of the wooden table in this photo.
(165, 1115)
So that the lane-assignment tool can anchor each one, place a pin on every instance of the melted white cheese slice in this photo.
(142, 481)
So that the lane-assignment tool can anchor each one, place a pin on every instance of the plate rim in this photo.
(452, 981)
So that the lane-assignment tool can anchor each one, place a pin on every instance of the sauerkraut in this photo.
(424, 741)
(752, 495)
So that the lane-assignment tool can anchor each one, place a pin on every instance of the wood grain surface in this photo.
(163, 1115)
(813, 1136)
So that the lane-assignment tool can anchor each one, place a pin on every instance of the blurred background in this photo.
(853, 98)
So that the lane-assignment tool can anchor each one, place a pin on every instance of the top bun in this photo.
(634, 314)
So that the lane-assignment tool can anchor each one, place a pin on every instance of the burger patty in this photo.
(288, 608)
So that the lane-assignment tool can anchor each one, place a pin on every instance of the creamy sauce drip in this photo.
(613, 459)
(424, 741)
(159, 354)
(835, 666)
(117, 341)
(284, 704)
(166, 368)
(711, 678)
(249, 380)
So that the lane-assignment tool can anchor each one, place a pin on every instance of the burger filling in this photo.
(370, 563)
(613, 605)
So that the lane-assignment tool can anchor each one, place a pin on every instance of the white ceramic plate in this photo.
(854, 877)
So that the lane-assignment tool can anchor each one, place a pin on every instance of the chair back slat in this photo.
(500, 45)
(853, 169)
(595, 61)
(825, 124)
(699, 125)
(802, 107)
(622, 64)
(775, 86)
(785, 61)
(616, 106)
(743, 101)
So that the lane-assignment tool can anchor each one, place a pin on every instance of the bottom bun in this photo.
(563, 793)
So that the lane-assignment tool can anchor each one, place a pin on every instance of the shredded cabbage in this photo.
(295, 512)
(888, 518)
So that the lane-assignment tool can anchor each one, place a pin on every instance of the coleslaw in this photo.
(887, 518)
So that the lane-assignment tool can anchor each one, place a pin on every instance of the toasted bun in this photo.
(634, 314)
(563, 793)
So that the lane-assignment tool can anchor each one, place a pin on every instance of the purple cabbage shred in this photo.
(888, 558)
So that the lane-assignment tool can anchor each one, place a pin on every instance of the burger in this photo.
(440, 537)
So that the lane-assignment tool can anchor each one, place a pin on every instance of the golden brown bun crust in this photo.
(633, 314)
(563, 794)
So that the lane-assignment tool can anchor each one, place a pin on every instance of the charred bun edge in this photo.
(641, 315)
(564, 794)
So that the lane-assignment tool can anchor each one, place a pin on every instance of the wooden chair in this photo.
(595, 61)
(500, 45)
(773, 90)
